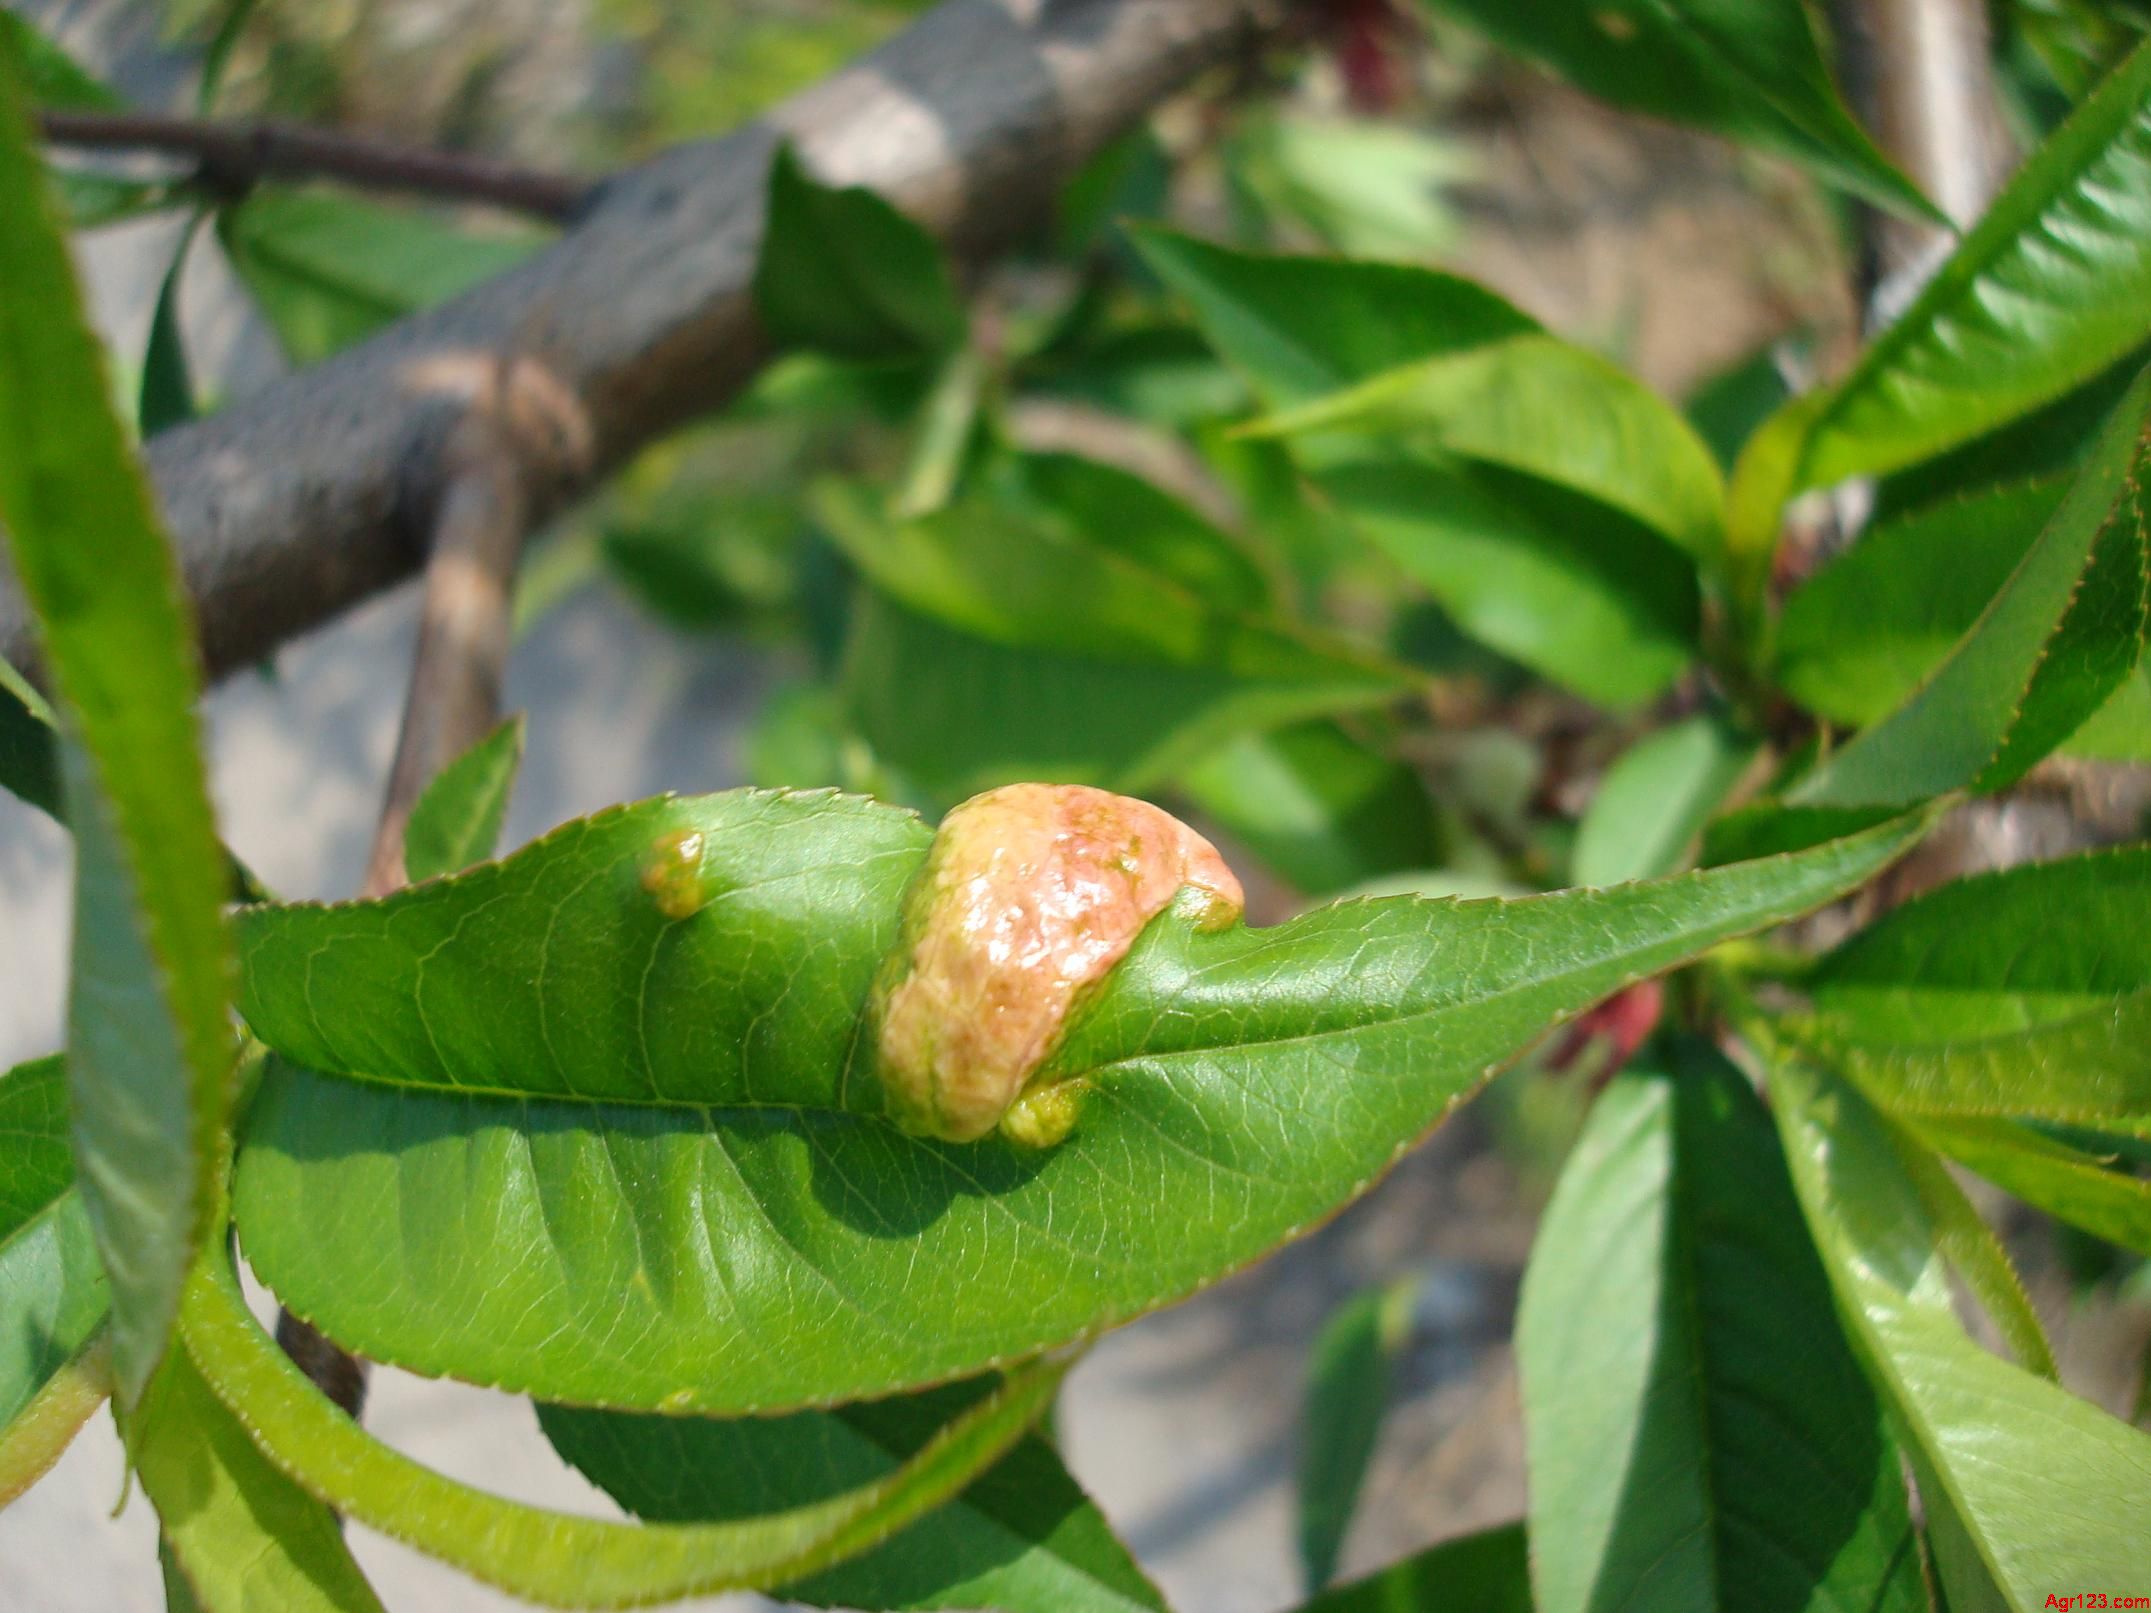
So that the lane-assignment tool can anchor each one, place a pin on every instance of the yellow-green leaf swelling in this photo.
(149, 1044)
(2040, 1488)
(555, 1558)
(624, 1157)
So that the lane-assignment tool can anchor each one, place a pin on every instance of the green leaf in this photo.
(329, 268)
(1320, 808)
(52, 77)
(2028, 947)
(623, 1152)
(1481, 1573)
(149, 1039)
(167, 395)
(1654, 800)
(29, 745)
(2061, 635)
(52, 1289)
(1023, 1537)
(1751, 69)
(555, 1558)
(40, 1433)
(457, 820)
(1348, 1379)
(1541, 406)
(2037, 1488)
(1862, 634)
(1699, 1435)
(1570, 587)
(2080, 1188)
(2047, 289)
(238, 1532)
(844, 273)
(1300, 327)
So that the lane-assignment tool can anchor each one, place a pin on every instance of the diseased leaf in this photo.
(329, 268)
(622, 1152)
(149, 1044)
(1481, 1573)
(1023, 1537)
(238, 1533)
(1751, 69)
(1348, 1381)
(1654, 801)
(457, 820)
(2025, 1484)
(1699, 1434)
(556, 1558)
(844, 273)
(2057, 640)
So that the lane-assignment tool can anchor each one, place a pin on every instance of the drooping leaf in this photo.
(1481, 1573)
(2020, 949)
(52, 1289)
(238, 1533)
(1349, 1370)
(2062, 634)
(457, 820)
(149, 1043)
(1023, 1537)
(555, 1558)
(2034, 1486)
(844, 273)
(1751, 69)
(2047, 289)
(2080, 1188)
(1698, 1432)
(1322, 809)
(329, 268)
(1656, 798)
(623, 1152)
(1570, 587)
(1541, 406)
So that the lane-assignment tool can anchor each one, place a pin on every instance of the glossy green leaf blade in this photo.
(2049, 287)
(1996, 953)
(844, 273)
(239, 1533)
(1870, 627)
(639, 1247)
(329, 269)
(1481, 1573)
(39, 1434)
(1543, 407)
(52, 1288)
(1023, 1537)
(1656, 798)
(1698, 1432)
(457, 820)
(2080, 1188)
(1751, 69)
(1318, 807)
(1301, 327)
(2047, 1489)
(1570, 587)
(149, 1042)
(2054, 643)
(554, 1558)
(1348, 1380)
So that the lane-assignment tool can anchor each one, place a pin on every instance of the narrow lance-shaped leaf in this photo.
(1656, 798)
(2036, 1487)
(1698, 1431)
(2060, 636)
(2084, 1189)
(149, 1043)
(29, 745)
(167, 391)
(1348, 1382)
(554, 1558)
(625, 1148)
(1023, 1537)
(1482, 1573)
(458, 817)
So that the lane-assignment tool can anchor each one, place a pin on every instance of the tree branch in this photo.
(296, 503)
(232, 157)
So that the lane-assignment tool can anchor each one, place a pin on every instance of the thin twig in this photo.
(234, 156)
